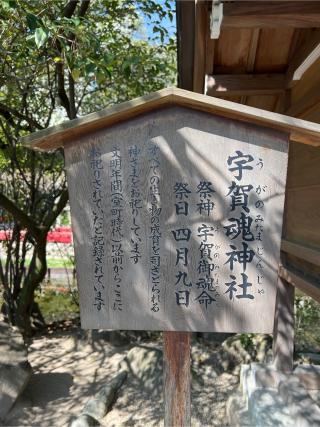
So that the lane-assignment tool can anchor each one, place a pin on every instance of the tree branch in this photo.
(61, 88)
(57, 210)
(69, 102)
(84, 7)
(7, 112)
(20, 216)
(69, 8)
(72, 101)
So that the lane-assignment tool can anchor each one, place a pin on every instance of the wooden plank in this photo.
(267, 102)
(301, 251)
(299, 130)
(274, 47)
(177, 379)
(313, 115)
(301, 55)
(303, 168)
(303, 215)
(310, 81)
(283, 102)
(209, 56)
(185, 40)
(306, 269)
(201, 29)
(283, 335)
(54, 137)
(253, 49)
(184, 141)
(246, 14)
(256, 101)
(245, 84)
(306, 286)
(231, 60)
(304, 105)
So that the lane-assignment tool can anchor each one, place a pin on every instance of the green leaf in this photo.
(107, 58)
(100, 77)
(76, 21)
(75, 74)
(126, 68)
(108, 71)
(90, 68)
(41, 36)
(9, 4)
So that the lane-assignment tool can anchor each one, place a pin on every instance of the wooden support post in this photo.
(177, 379)
(283, 334)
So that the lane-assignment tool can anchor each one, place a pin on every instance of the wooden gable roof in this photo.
(56, 136)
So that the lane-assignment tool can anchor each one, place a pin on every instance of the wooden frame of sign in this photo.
(177, 205)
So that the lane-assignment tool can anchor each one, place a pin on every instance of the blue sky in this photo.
(147, 31)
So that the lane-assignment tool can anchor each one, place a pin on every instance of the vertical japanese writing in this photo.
(182, 237)
(206, 267)
(205, 191)
(98, 240)
(259, 230)
(117, 253)
(239, 227)
(135, 203)
(155, 232)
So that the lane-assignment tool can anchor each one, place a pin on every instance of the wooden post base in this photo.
(177, 379)
(283, 335)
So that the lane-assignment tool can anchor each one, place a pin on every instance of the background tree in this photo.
(59, 60)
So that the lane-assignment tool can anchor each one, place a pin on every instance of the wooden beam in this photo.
(209, 57)
(306, 286)
(271, 14)
(253, 50)
(245, 84)
(301, 56)
(176, 357)
(251, 57)
(185, 13)
(306, 103)
(283, 334)
(71, 130)
(201, 29)
(300, 251)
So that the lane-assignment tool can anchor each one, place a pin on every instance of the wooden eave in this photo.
(56, 136)
(266, 53)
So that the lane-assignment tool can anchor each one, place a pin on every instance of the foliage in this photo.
(57, 306)
(247, 341)
(61, 59)
(307, 323)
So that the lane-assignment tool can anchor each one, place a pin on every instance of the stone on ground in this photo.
(145, 365)
(270, 398)
(15, 371)
(97, 407)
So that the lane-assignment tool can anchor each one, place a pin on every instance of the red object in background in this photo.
(5, 234)
(58, 235)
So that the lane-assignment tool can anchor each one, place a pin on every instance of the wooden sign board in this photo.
(177, 218)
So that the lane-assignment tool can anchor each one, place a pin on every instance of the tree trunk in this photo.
(35, 276)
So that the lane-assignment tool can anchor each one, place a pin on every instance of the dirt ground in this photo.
(68, 371)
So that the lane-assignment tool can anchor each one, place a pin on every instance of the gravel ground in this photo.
(68, 371)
